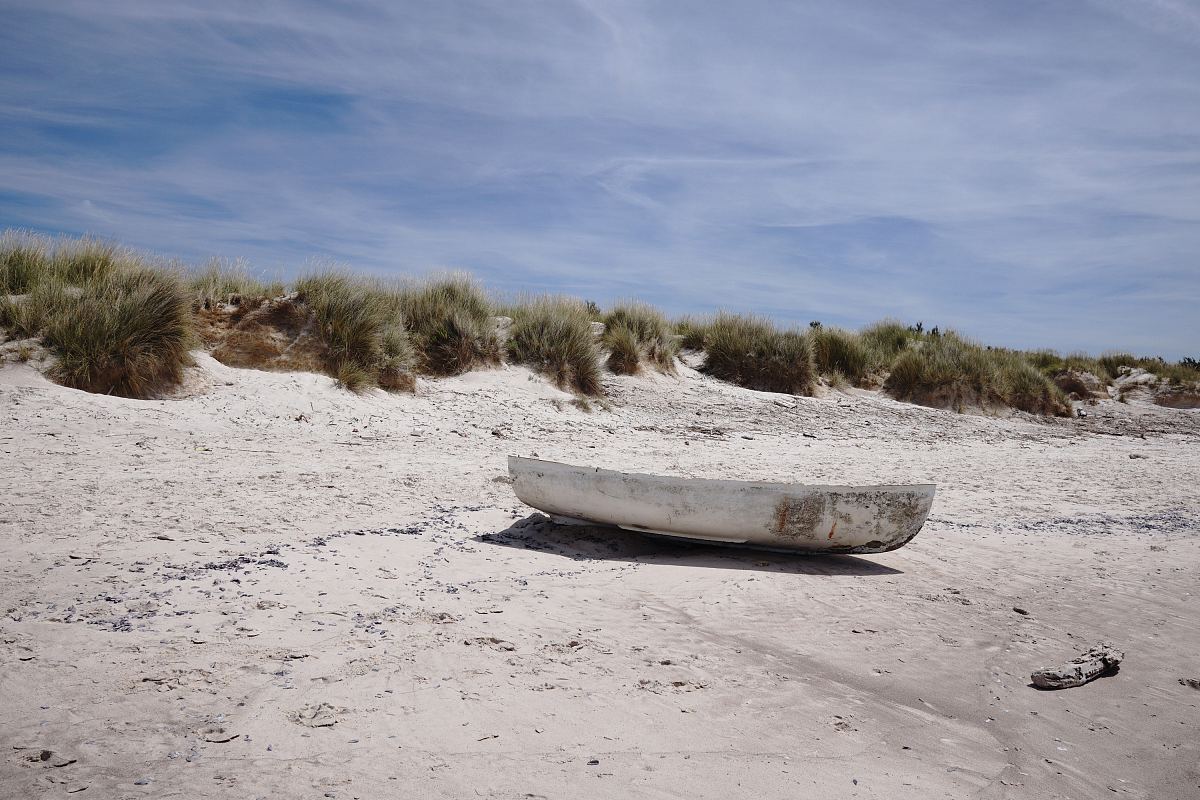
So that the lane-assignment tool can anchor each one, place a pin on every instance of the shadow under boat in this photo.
(597, 542)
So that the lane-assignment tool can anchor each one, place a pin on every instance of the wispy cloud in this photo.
(1027, 172)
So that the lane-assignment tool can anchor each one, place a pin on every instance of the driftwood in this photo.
(1079, 670)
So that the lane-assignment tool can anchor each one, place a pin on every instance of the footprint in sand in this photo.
(321, 715)
(491, 641)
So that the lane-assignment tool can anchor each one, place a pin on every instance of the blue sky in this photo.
(1026, 172)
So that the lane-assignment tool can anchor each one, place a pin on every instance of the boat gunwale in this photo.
(930, 488)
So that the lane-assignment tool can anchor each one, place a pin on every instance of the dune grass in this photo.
(363, 329)
(116, 322)
(78, 262)
(111, 318)
(948, 371)
(1174, 374)
(1110, 365)
(637, 334)
(26, 315)
(451, 323)
(887, 339)
(553, 335)
(1050, 363)
(1179, 374)
(1024, 387)
(751, 352)
(229, 283)
(27, 259)
(24, 262)
(379, 333)
(624, 351)
(841, 355)
(691, 331)
(125, 331)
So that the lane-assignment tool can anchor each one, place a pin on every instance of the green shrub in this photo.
(451, 323)
(125, 333)
(751, 352)
(635, 332)
(840, 352)
(553, 336)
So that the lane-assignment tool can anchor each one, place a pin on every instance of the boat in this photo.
(778, 516)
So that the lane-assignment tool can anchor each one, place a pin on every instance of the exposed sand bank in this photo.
(272, 588)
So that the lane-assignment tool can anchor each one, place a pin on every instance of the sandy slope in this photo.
(271, 588)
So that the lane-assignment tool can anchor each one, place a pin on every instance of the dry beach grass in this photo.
(636, 333)
(117, 321)
(553, 336)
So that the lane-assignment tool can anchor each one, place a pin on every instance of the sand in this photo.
(268, 587)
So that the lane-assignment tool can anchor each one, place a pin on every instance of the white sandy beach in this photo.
(269, 587)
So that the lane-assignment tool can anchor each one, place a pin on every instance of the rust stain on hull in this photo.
(797, 518)
(895, 517)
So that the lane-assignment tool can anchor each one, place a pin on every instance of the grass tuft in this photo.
(948, 371)
(842, 354)
(354, 376)
(553, 335)
(451, 323)
(1112, 363)
(1174, 374)
(691, 332)
(229, 283)
(751, 352)
(362, 328)
(1025, 388)
(27, 315)
(624, 351)
(80, 261)
(887, 339)
(24, 262)
(125, 333)
(635, 333)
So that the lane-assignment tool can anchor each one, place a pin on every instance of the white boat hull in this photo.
(819, 519)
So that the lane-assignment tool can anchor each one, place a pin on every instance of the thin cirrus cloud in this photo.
(1026, 172)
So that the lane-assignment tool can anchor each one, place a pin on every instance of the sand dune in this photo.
(268, 587)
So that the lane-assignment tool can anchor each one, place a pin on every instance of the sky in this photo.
(1027, 173)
